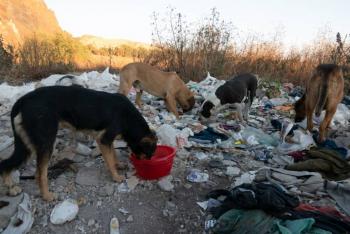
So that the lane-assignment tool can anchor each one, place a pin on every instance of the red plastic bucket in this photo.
(158, 166)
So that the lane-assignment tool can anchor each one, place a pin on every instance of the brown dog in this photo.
(167, 85)
(324, 91)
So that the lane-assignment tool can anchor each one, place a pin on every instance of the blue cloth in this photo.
(330, 144)
(208, 136)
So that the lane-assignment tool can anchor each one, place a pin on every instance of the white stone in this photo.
(64, 211)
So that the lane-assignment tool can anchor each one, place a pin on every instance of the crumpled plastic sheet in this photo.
(23, 217)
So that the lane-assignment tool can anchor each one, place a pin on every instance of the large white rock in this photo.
(64, 211)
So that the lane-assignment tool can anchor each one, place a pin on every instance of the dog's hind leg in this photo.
(41, 176)
(109, 155)
(325, 123)
(41, 129)
(310, 123)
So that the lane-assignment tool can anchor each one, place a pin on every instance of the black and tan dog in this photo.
(239, 92)
(36, 118)
(324, 90)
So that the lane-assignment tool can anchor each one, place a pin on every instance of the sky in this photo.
(299, 20)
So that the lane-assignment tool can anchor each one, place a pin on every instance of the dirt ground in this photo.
(152, 210)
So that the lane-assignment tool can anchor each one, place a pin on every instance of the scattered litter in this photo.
(123, 211)
(196, 176)
(23, 220)
(114, 226)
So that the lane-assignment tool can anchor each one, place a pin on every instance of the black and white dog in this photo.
(238, 92)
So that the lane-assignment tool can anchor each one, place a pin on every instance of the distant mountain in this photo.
(100, 42)
(22, 18)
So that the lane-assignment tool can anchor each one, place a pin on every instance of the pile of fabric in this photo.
(269, 208)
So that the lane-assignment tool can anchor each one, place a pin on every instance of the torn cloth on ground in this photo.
(323, 221)
(328, 210)
(327, 162)
(257, 221)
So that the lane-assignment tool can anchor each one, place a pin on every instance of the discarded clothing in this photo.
(265, 196)
(208, 136)
(235, 127)
(297, 92)
(323, 221)
(346, 100)
(241, 221)
(257, 221)
(340, 193)
(298, 155)
(328, 210)
(330, 144)
(327, 162)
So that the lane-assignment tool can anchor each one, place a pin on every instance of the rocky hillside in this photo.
(22, 18)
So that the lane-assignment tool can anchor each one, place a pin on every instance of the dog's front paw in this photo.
(49, 196)
(14, 190)
(118, 178)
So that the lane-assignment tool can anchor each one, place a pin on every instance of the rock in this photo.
(170, 209)
(229, 163)
(83, 149)
(233, 171)
(130, 219)
(43, 220)
(64, 211)
(187, 186)
(95, 152)
(165, 183)
(89, 164)
(132, 182)
(88, 176)
(91, 222)
(67, 153)
(106, 190)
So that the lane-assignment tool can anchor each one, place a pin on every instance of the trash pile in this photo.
(268, 175)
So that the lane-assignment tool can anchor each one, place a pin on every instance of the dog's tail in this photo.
(19, 156)
(322, 95)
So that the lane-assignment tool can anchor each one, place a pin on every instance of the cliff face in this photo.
(23, 18)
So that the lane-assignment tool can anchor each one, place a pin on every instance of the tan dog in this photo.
(167, 85)
(324, 91)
